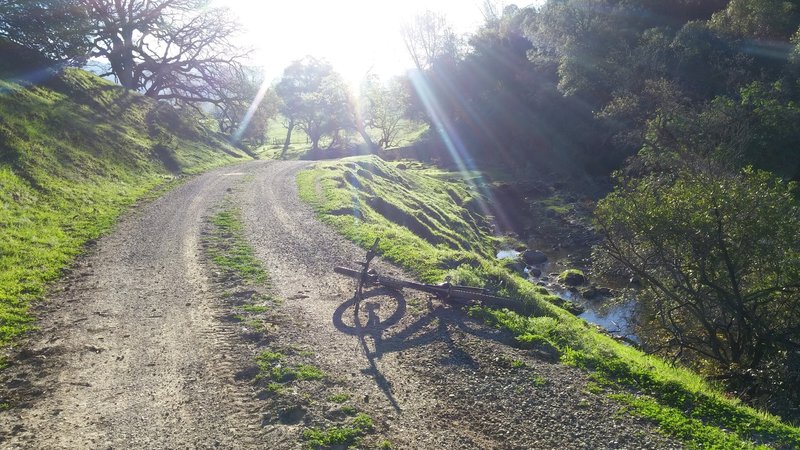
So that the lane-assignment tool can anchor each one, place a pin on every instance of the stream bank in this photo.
(547, 230)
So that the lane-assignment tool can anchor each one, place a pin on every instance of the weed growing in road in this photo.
(308, 372)
(254, 308)
(271, 366)
(268, 357)
(229, 249)
(538, 380)
(594, 388)
(244, 276)
(339, 398)
(275, 388)
(347, 436)
(349, 410)
(255, 324)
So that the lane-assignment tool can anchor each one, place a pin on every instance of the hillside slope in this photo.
(75, 150)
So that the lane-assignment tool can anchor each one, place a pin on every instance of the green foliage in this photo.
(75, 153)
(339, 398)
(718, 257)
(315, 99)
(271, 366)
(231, 115)
(345, 436)
(384, 106)
(230, 250)
(674, 422)
(51, 28)
(758, 19)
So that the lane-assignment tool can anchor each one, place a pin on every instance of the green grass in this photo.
(75, 153)
(673, 421)
(276, 135)
(349, 435)
(272, 366)
(229, 249)
(258, 309)
(339, 398)
(429, 222)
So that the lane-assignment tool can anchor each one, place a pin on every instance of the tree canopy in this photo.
(315, 99)
(719, 256)
(177, 50)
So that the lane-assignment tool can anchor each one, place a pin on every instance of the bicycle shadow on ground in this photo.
(433, 326)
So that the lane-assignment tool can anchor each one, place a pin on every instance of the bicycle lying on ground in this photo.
(451, 293)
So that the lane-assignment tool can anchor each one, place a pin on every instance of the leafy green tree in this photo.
(384, 106)
(760, 126)
(760, 19)
(315, 99)
(718, 254)
(250, 106)
(429, 39)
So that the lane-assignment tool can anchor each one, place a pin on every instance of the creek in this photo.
(613, 314)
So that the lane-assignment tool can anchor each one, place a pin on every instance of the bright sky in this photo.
(356, 36)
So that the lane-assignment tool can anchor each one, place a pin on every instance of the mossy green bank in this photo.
(75, 152)
(430, 222)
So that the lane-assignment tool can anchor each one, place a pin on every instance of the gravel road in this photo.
(132, 351)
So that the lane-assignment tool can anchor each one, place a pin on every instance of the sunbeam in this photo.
(248, 116)
(450, 138)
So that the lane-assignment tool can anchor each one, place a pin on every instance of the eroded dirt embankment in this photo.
(133, 350)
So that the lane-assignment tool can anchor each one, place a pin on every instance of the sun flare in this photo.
(356, 36)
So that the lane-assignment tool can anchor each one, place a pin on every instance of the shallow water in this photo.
(614, 315)
(507, 254)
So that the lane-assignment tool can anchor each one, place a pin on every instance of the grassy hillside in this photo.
(430, 224)
(75, 150)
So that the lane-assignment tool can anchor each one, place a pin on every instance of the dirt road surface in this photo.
(133, 350)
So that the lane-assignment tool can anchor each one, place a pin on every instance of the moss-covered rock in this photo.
(572, 277)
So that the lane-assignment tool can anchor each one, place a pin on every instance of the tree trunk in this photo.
(288, 138)
(367, 140)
